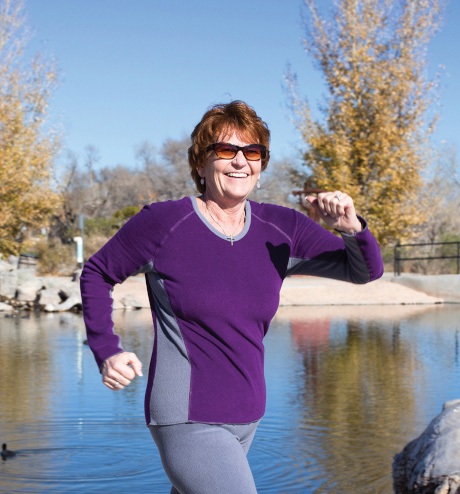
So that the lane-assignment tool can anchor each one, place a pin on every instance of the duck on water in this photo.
(6, 453)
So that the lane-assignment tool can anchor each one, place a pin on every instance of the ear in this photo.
(200, 171)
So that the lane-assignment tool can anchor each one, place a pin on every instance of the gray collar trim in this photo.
(217, 232)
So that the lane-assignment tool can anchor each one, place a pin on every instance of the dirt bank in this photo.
(306, 290)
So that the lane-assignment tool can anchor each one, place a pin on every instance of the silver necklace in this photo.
(230, 237)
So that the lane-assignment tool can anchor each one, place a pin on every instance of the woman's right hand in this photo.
(120, 369)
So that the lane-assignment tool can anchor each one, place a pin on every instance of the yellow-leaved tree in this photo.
(28, 147)
(374, 140)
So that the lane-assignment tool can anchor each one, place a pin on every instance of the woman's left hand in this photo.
(337, 211)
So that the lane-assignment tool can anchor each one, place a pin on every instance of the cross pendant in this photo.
(231, 240)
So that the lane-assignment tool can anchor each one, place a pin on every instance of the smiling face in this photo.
(230, 180)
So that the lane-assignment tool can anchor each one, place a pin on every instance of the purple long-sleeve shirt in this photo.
(212, 301)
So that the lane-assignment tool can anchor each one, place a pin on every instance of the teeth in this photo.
(237, 175)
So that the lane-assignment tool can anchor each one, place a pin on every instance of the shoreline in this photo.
(24, 290)
(312, 291)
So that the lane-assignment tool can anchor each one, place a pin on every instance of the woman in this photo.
(214, 267)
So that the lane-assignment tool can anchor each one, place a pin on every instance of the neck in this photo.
(230, 220)
(225, 210)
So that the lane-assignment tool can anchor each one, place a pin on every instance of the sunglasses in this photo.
(253, 152)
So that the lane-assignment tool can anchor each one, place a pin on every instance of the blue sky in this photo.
(135, 70)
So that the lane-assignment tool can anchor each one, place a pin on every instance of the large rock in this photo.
(66, 294)
(49, 297)
(430, 464)
(14, 261)
(25, 275)
(69, 304)
(65, 287)
(5, 307)
(8, 284)
(54, 294)
(28, 290)
(5, 266)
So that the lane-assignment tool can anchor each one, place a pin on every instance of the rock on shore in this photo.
(431, 463)
(23, 289)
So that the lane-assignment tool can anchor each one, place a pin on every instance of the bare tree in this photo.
(168, 171)
(441, 199)
(276, 184)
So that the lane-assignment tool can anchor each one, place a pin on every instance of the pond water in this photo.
(348, 387)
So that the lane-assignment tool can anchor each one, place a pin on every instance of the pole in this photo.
(397, 266)
(458, 258)
(81, 225)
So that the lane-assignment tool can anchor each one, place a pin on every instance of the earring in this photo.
(202, 181)
(258, 184)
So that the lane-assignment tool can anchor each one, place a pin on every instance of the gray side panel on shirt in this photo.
(169, 400)
(359, 270)
(356, 271)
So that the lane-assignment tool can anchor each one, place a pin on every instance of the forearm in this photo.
(96, 292)
(317, 252)
(363, 258)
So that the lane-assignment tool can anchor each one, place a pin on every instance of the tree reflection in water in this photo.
(357, 398)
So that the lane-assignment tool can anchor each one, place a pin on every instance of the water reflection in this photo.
(357, 374)
(367, 387)
(347, 388)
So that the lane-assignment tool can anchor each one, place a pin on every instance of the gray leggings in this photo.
(206, 458)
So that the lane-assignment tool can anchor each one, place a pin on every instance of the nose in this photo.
(240, 159)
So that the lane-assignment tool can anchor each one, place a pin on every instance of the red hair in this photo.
(221, 120)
